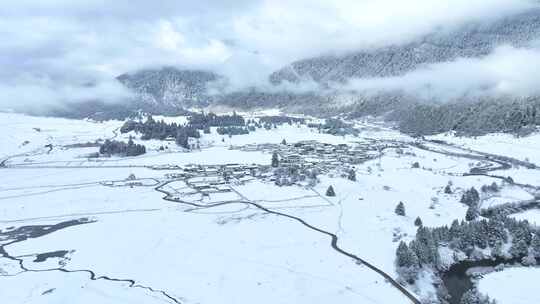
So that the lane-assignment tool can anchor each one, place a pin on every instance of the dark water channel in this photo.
(42, 257)
(457, 281)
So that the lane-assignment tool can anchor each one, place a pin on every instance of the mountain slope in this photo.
(169, 87)
(173, 88)
(468, 41)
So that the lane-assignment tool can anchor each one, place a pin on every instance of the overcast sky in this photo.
(52, 48)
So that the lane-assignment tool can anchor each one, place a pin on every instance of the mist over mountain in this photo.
(358, 59)
(170, 87)
(425, 68)
(471, 40)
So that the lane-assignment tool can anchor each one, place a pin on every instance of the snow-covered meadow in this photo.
(232, 253)
(512, 285)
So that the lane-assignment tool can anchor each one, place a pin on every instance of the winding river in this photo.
(456, 279)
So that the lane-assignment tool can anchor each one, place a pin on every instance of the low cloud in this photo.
(507, 71)
(73, 43)
(40, 95)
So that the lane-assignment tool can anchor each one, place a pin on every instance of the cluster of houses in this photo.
(299, 163)
(218, 174)
(210, 183)
(313, 154)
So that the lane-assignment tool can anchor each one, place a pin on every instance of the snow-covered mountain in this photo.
(170, 87)
(173, 88)
(468, 41)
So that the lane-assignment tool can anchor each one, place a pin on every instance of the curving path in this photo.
(333, 238)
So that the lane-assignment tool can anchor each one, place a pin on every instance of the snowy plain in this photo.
(512, 286)
(228, 254)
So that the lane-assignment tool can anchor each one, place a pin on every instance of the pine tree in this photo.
(496, 232)
(466, 241)
(275, 160)
(497, 250)
(182, 139)
(470, 197)
(479, 230)
(425, 247)
(519, 248)
(448, 189)
(474, 297)
(330, 191)
(535, 245)
(407, 263)
(408, 274)
(402, 255)
(352, 175)
(528, 260)
(490, 188)
(470, 297)
(455, 230)
(400, 209)
(418, 222)
(474, 194)
(284, 142)
(472, 213)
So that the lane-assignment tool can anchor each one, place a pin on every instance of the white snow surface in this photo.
(519, 147)
(533, 216)
(512, 285)
(228, 254)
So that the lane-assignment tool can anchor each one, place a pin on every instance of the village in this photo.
(295, 164)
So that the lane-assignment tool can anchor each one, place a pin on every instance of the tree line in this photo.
(151, 129)
(203, 121)
(234, 130)
(226, 125)
(113, 147)
(468, 117)
(476, 118)
(470, 238)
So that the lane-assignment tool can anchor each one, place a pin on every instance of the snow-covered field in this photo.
(512, 286)
(231, 253)
(533, 216)
(523, 148)
(25, 134)
(506, 195)
(520, 148)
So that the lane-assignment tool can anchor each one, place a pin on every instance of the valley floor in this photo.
(250, 242)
